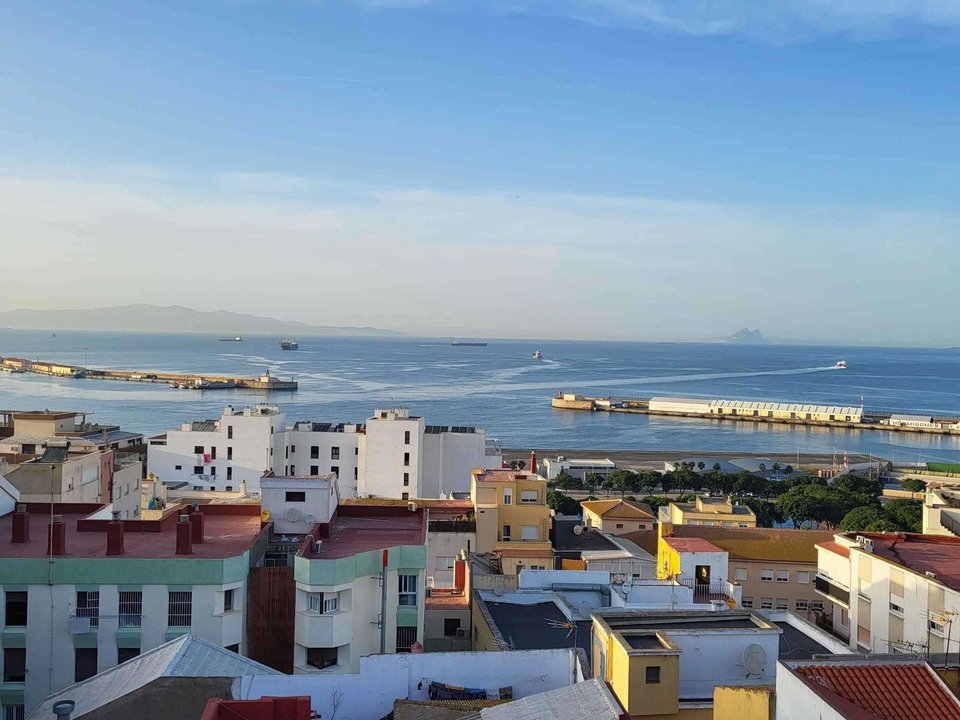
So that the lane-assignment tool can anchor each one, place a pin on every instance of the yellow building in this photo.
(718, 512)
(617, 517)
(513, 520)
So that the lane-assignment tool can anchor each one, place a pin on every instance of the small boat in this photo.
(841, 365)
(238, 338)
(467, 343)
(289, 344)
(537, 355)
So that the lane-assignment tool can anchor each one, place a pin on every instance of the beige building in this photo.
(617, 517)
(513, 520)
(774, 567)
(709, 511)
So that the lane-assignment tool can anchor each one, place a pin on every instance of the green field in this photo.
(944, 467)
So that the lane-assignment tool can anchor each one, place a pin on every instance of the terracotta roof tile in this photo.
(691, 544)
(835, 547)
(617, 508)
(888, 690)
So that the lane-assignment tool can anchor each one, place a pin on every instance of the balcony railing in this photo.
(832, 591)
(453, 526)
(707, 592)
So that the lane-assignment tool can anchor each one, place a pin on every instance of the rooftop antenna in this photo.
(569, 625)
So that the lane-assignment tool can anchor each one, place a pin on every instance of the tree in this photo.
(788, 471)
(860, 518)
(717, 467)
(907, 515)
(763, 468)
(776, 469)
(591, 481)
(518, 464)
(701, 465)
(565, 481)
(621, 481)
(914, 485)
(768, 515)
(562, 504)
(799, 506)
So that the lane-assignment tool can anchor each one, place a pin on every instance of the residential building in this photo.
(31, 428)
(774, 567)
(102, 590)
(231, 452)
(577, 468)
(172, 681)
(855, 688)
(513, 520)
(577, 547)
(699, 565)
(710, 511)
(318, 448)
(941, 510)
(125, 492)
(72, 471)
(360, 577)
(892, 592)
(618, 516)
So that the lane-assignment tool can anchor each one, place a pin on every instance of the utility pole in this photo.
(383, 601)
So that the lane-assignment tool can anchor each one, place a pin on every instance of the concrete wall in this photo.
(299, 458)
(320, 503)
(709, 659)
(385, 678)
(441, 545)
(382, 451)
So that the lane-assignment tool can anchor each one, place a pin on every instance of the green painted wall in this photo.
(348, 569)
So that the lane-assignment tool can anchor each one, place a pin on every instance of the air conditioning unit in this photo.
(412, 506)
(462, 633)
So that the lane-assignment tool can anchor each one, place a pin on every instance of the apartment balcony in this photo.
(716, 590)
(326, 630)
(831, 590)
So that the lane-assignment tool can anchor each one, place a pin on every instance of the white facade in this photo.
(321, 448)
(125, 495)
(391, 461)
(224, 454)
(296, 504)
(577, 468)
(443, 549)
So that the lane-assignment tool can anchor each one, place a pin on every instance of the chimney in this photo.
(533, 461)
(63, 709)
(21, 524)
(115, 535)
(184, 544)
(57, 537)
(196, 522)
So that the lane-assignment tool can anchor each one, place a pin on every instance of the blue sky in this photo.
(573, 168)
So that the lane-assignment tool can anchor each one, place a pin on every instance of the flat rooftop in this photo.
(369, 529)
(531, 627)
(795, 645)
(681, 620)
(935, 554)
(505, 475)
(225, 535)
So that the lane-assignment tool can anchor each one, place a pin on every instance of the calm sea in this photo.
(501, 388)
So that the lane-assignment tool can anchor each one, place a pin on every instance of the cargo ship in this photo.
(238, 338)
(289, 344)
(467, 343)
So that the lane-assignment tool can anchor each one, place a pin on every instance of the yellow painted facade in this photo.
(512, 517)
(712, 511)
(744, 703)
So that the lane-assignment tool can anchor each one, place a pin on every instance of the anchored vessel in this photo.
(467, 343)
(289, 344)
(238, 338)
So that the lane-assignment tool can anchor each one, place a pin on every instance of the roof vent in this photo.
(63, 709)
(931, 574)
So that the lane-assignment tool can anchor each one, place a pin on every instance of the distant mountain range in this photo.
(746, 336)
(173, 318)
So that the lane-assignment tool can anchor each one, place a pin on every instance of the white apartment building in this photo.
(109, 593)
(227, 454)
(892, 593)
(392, 455)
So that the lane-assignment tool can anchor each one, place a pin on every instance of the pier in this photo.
(183, 381)
(833, 416)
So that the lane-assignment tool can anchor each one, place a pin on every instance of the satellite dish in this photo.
(293, 515)
(309, 519)
(754, 659)
(578, 529)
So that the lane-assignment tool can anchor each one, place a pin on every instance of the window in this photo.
(529, 497)
(444, 562)
(213, 452)
(406, 637)
(653, 675)
(405, 496)
(315, 603)
(286, 452)
(740, 574)
(230, 453)
(321, 657)
(84, 664)
(296, 496)
(802, 606)
(13, 712)
(16, 608)
(198, 487)
(335, 469)
(619, 525)
(178, 467)
(198, 449)
(131, 608)
(213, 471)
(406, 459)
(747, 602)
(227, 600)
(179, 609)
(314, 469)
(334, 453)
(783, 604)
(803, 577)
(331, 602)
(88, 606)
(766, 603)
(450, 627)
(229, 432)
(505, 536)
(406, 437)
(198, 470)
(314, 452)
(293, 448)
(529, 532)
(124, 654)
(508, 496)
(895, 608)
(766, 575)
(817, 606)
(407, 590)
(14, 665)
(783, 576)
(229, 473)
(406, 479)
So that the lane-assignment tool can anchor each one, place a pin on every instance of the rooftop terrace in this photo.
(359, 529)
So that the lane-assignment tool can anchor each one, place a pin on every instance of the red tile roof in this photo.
(617, 508)
(691, 544)
(835, 547)
(881, 690)
(936, 554)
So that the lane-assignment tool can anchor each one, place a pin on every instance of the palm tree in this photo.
(763, 468)
(776, 469)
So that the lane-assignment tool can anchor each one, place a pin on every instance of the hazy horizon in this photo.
(575, 169)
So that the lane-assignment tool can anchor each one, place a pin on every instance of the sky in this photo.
(616, 169)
